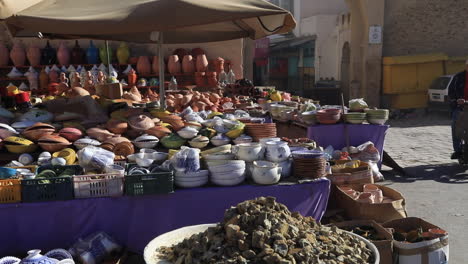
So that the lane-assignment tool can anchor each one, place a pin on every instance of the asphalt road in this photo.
(436, 188)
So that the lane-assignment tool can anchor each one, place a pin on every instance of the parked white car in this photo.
(438, 92)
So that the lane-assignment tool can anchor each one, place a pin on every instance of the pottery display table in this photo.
(134, 221)
(334, 135)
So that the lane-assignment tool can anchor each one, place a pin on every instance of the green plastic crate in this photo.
(145, 184)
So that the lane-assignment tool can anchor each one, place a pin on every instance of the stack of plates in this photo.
(309, 164)
(191, 179)
(355, 117)
(227, 172)
(377, 117)
(329, 116)
(258, 131)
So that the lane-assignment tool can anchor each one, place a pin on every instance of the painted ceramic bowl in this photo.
(99, 134)
(146, 141)
(6, 131)
(140, 122)
(85, 142)
(117, 126)
(53, 143)
(19, 145)
(70, 133)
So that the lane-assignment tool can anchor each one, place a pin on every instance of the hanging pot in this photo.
(4, 55)
(174, 65)
(77, 54)
(123, 53)
(143, 65)
(63, 54)
(34, 56)
(103, 54)
(188, 65)
(92, 53)
(18, 55)
(202, 63)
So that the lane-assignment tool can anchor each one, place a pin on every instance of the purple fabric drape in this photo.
(134, 221)
(334, 135)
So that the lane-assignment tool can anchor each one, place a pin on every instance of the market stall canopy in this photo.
(181, 21)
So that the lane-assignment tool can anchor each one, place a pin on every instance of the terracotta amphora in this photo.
(202, 63)
(34, 56)
(188, 65)
(155, 65)
(63, 54)
(92, 54)
(18, 55)
(49, 55)
(143, 65)
(173, 65)
(4, 55)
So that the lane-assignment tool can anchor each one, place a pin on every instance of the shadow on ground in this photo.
(450, 173)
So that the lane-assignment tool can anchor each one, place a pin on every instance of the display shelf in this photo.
(13, 79)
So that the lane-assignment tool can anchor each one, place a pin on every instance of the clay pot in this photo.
(200, 79)
(140, 122)
(103, 54)
(366, 198)
(70, 133)
(188, 65)
(4, 55)
(34, 56)
(53, 77)
(197, 51)
(49, 55)
(77, 54)
(143, 65)
(117, 126)
(38, 130)
(112, 142)
(218, 65)
(211, 79)
(155, 65)
(202, 63)
(63, 54)
(123, 53)
(133, 60)
(173, 65)
(53, 143)
(18, 55)
(181, 53)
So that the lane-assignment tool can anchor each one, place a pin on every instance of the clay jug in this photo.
(218, 65)
(188, 65)
(202, 63)
(63, 54)
(53, 76)
(155, 65)
(92, 53)
(34, 56)
(77, 54)
(4, 55)
(43, 80)
(174, 64)
(103, 54)
(123, 53)
(143, 65)
(18, 55)
(48, 55)
(132, 77)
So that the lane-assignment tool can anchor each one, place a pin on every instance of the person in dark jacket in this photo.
(458, 94)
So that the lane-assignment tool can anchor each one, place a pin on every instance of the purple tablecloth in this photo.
(134, 221)
(326, 135)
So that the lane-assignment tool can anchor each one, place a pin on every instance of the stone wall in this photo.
(426, 26)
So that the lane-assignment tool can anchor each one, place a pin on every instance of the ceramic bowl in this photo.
(222, 149)
(6, 173)
(376, 121)
(199, 144)
(307, 154)
(222, 156)
(228, 174)
(19, 145)
(225, 162)
(143, 144)
(187, 132)
(71, 133)
(192, 175)
(131, 158)
(191, 184)
(84, 142)
(227, 168)
(228, 182)
(146, 150)
(220, 141)
(144, 162)
(159, 156)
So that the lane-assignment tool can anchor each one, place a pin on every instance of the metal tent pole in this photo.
(108, 58)
(162, 91)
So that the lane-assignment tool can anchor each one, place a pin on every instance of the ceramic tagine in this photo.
(92, 54)
(58, 256)
(123, 53)
(48, 55)
(4, 55)
(18, 55)
(77, 54)
(63, 54)
(34, 55)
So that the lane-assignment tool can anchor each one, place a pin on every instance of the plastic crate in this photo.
(50, 189)
(10, 191)
(119, 162)
(153, 183)
(99, 185)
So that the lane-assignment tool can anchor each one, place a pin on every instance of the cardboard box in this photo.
(379, 212)
(435, 251)
(111, 90)
(384, 246)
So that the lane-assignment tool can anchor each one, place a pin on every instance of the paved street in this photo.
(436, 189)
